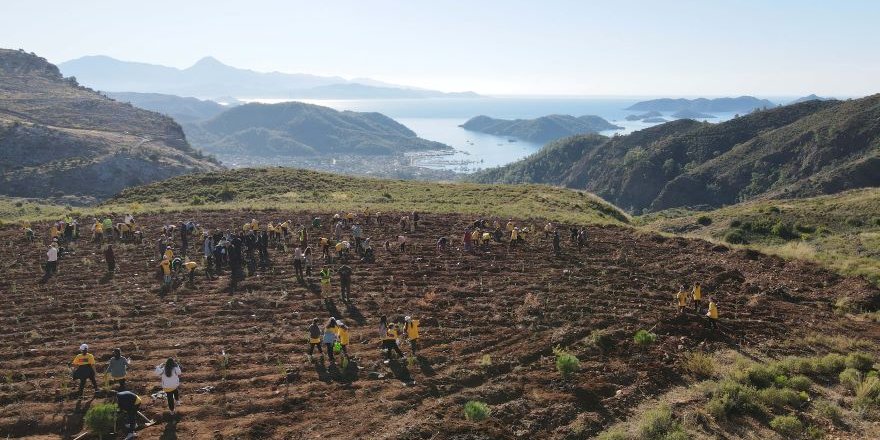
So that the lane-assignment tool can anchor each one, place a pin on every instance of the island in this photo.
(539, 130)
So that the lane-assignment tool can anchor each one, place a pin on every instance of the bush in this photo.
(735, 223)
(762, 376)
(704, 220)
(860, 361)
(699, 364)
(197, 201)
(800, 383)
(850, 378)
(602, 340)
(797, 365)
(735, 236)
(787, 426)
(780, 398)
(658, 424)
(830, 364)
(566, 363)
(643, 338)
(844, 305)
(829, 410)
(101, 418)
(732, 397)
(475, 410)
(876, 221)
(867, 393)
(613, 434)
(773, 210)
(804, 229)
(854, 222)
(783, 231)
(226, 194)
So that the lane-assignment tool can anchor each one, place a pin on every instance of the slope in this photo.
(60, 139)
(182, 109)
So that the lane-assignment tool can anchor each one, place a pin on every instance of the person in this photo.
(697, 293)
(441, 244)
(509, 226)
(315, 338)
(514, 235)
(325, 249)
(325, 282)
(111, 258)
(713, 313)
(582, 238)
(169, 372)
(298, 258)
(556, 248)
(411, 326)
(307, 260)
(316, 223)
(548, 229)
(358, 233)
(108, 228)
(389, 341)
(129, 403)
(466, 240)
(52, 258)
(97, 231)
(84, 368)
(337, 231)
(345, 282)
(343, 336)
(415, 222)
(329, 338)
(117, 367)
(166, 273)
(342, 250)
(681, 297)
(169, 254)
(401, 242)
(208, 250)
(369, 254)
(190, 267)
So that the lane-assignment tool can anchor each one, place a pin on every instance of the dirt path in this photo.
(489, 323)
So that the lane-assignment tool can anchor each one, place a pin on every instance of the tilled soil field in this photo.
(489, 322)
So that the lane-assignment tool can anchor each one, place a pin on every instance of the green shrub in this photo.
(787, 426)
(566, 363)
(800, 383)
(780, 398)
(830, 364)
(704, 220)
(475, 410)
(860, 361)
(226, 194)
(876, 221)
(829, 410)
(658, 424)
(783, 231)
(732, 397)
(797, 365)
(844, 305)
(699, 364)
(735, 223)
(805, 229)
(850, 378)
(197, 201)
(735, 236)
(101, 418)
(643, 338)
(762, 376)
(602, 340)
(773, 210)
(781, 381)
(616, 433)
(867, 393)
(854, 222)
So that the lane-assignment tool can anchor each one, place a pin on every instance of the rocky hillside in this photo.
(298, 129)
(182, 109)
(539, 130)
(811, 148)
(60, 139)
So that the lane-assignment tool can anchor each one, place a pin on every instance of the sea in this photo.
(439, 119)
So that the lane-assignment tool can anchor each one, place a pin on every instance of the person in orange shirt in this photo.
(84, 368)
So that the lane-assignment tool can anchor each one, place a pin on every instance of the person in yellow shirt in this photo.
(54, 232)
(98, 232)
(514, 235)
(84, 368)
(697, 293)
(326, 291)
(191, 267)
(510, 225)
(255, 226)
(165, 265)
(325, 249)
(411, 326)
(713, 314)
(681, 297)
(389, 339)
(169, 254)
(344, 335)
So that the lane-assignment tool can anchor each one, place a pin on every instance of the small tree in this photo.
(101, 419)
(644, 338)
(475, 410)
(566, 363)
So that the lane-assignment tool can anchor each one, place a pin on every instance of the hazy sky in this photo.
(668, 47)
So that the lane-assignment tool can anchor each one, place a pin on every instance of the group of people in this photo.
(695, 297)
(84, 368)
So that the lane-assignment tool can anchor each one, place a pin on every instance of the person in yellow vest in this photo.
(713, 313)
(681, 297)
(697, 293)
(367, 213)
(476, 237)
(389, 339)
(514, 235)
(166, 273)
(496, 224)
(98, 232)
(191, 267)
(54, 232)
(169, 254)
(411, 326)
(254, 225)
(344, 335)
(84, 368)
(510, 225)
(325, 282)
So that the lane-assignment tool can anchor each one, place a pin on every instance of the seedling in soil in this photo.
(566, 363)
(644, 338)
(475, 410)
(224, 363)
(485, 361)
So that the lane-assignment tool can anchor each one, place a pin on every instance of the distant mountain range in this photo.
(183, 110)
(209, 78)
(810, 98)
(806, 149)
(60, 139)
(742, 104)
(692, 114)
(539, 130)
(299, 129)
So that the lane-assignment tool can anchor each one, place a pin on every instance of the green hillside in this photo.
(539, 130)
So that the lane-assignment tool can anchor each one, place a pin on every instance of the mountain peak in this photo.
(208, 61)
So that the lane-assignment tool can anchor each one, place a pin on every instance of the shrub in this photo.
(800, 383)
(780, 397)
(704, 220)
(699, 364)
(475, 410)
(643, 338)
(876, 220)
(762, 376)
(787, 426)
(830, 364)
(867, 393)
(658, 424)
(773, 210)
(860, 361)
(844, 305)
(735, 236)
(226, 194)
(602, 340)
(101, 418)
(617, 433)
(566, 363)
(735, 223)
(797, 365)
(854, 222)
(729, 397)
(197, 201)
(805, 229)
(829, 410)
(783, 231)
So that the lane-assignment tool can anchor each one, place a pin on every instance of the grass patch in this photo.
(643, 338)
(566, 363)
(475, 410)
(699, 364)
(787, 426)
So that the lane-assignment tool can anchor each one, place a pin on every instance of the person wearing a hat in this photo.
(343, 336)
(129, 403)
(52, 258)
(84, 368)
(411, 326)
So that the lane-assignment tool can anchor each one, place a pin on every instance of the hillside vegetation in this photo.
(539, 130)
(801, 150)
(299, 129)
(59, 139)
(180, 108)
(841, 231)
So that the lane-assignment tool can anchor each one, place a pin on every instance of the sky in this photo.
(540, 47)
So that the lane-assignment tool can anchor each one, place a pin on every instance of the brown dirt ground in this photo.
(510, 304)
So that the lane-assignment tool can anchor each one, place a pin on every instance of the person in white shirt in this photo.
(169, 372)
(52, 258)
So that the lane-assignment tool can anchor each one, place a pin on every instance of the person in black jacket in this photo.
(129, 403)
